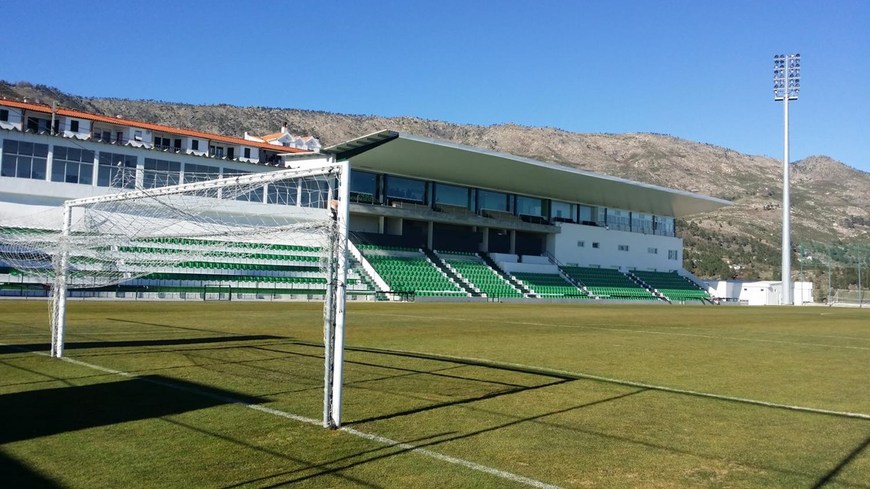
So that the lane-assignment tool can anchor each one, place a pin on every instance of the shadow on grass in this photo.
(47, 412)
(456, 360)
(335, 467)
(18, 475)
(322, 468)
(826, 479)
(172, 326)
(831, 476)
(406, 371)
(456, 402)
(73, 345)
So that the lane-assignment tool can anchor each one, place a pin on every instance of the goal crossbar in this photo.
(252, 179)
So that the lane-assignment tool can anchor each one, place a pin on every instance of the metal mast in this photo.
(786, 86)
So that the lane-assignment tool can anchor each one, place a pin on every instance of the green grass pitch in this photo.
(436, 395)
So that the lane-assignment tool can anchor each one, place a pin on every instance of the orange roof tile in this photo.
(274, 135)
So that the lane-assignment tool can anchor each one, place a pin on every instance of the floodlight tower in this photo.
(786, 86)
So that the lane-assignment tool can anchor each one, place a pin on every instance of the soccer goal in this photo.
(278, 230)
(852, 297)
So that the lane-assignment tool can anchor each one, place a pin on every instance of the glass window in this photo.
(254, 195)
(562, 211)
(4, 115)
(618, 220)
(664, 226)
(160, 173)
(601, 217)
(283, 192)
(24, 160)
(363, 187)
(530, 206)
(200, 173)
(494, 201)
(72, 165)
(587, 214)
(641, 223)
(405, 189)
(452, 195)
(194, 145)
(315, 192)
(116, 170)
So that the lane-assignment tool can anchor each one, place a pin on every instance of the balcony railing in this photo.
(110, 139)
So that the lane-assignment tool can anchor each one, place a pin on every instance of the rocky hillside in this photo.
(831, 201)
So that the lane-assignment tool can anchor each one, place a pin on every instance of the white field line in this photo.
(453, 460)
(631, 383)
(542, 370)
(302, 419)
(604, 328)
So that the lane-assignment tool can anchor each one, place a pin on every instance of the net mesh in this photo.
(282, 230)
(271, 227)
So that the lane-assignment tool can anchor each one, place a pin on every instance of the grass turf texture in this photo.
(520, 399)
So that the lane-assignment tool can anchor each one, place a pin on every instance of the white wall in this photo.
(802, 293)
(203, 146)
(513, 267)
(84, 131)
(15, 119)
(564, 246)
(362, 223)
(759, 293)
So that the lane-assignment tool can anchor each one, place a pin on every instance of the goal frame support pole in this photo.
(333, 328)
(59, 287)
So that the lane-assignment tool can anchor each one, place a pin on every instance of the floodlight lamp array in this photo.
(786, 76)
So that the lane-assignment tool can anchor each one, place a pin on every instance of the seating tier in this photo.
(407, 270)
(673, 286)
(608, 283)
(549, 285)
(473, 269)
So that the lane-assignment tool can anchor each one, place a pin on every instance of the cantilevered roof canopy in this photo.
(430, 159)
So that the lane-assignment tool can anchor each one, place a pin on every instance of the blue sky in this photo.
(699, 70)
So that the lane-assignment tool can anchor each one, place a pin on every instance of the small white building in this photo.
(759, 293)
(287, 139)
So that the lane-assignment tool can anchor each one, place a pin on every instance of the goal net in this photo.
(176, 235)
(855, 297)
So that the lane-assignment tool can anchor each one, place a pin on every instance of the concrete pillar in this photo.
(430, 231)
(513, 236)
(49, 160)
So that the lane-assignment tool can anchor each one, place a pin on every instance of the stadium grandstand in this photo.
(429, 219)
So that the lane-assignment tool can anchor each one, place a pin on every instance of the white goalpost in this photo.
(284, 228)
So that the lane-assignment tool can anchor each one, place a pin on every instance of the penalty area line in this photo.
(630, 383)
(410, 448)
